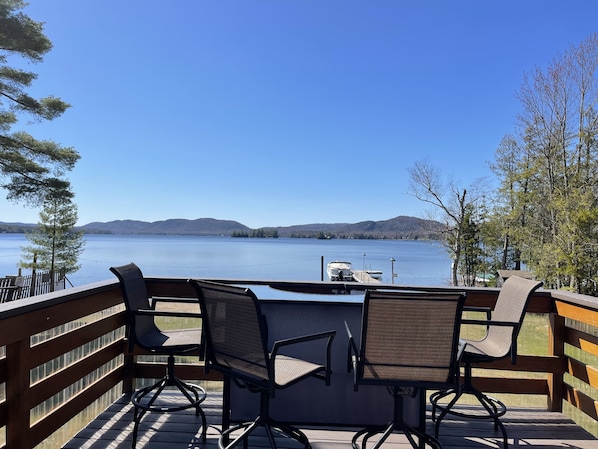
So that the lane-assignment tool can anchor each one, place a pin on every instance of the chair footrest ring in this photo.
(384, 432)
(194, 393)
(493, 407)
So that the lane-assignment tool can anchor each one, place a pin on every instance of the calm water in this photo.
(417, 262)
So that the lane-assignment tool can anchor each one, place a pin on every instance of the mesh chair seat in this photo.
(288, 370)
(484, 350)
(179, 341)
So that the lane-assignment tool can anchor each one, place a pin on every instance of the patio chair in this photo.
(500, 341)
(236, 345)
(409, 343)
(141, 330)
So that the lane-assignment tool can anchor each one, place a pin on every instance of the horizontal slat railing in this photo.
(65, 350)
(47, 361)
(579, 314)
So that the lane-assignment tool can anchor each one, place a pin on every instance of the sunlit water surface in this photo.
(416, 262)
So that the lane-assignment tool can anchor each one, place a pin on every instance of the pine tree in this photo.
(56, 246)
(29, 168)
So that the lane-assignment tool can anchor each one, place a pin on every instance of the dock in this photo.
(364, 277)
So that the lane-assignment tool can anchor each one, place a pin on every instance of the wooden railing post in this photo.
(556, 342)
(129, 360)
(17, 395)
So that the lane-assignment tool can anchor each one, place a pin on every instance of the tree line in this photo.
(260, 233)
(544, 214)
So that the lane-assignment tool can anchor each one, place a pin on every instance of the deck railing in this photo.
(63, 356)
(36, 283)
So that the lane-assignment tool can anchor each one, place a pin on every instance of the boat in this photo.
(340, 271)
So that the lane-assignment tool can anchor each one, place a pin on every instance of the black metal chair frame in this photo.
(262, 369)
(142, 331)
(493, 407)
(399, 387)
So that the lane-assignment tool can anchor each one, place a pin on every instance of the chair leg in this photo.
(185, 388)
(194, 394)
(494, 408)
(226, 442)
(138, 410)
(262, 421)
(398, 424)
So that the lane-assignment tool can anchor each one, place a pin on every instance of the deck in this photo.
(527, 427)
(63, 354)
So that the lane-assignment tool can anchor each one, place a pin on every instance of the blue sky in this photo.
(280, 112)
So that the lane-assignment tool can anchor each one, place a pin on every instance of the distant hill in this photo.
(13, 228)
(177, 226)
(402, 227)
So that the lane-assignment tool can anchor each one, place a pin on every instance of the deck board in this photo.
(526, 427)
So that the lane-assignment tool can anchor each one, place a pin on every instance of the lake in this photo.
(416, 262)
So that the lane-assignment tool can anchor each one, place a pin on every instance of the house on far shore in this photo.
(503, 275)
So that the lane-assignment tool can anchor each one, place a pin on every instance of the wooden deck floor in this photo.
(529, 428)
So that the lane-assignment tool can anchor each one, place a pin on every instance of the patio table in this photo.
(311, 402)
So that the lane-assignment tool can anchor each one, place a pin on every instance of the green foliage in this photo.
(56, 246)
(472, 260)
(256, 233)
(264, 233)
(547, 203)
(545, 212)
(29, 168)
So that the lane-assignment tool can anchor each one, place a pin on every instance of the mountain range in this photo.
(401, 227)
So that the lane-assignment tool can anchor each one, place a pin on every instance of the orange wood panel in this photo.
(581, 314)
(583, 402)
(582, 340)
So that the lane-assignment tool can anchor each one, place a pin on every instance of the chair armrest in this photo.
(172, 300)
(352, 356)
(352, 351)
(294, 340)
(461, 348)
(486, 310)
(329, 335)
(513, 324)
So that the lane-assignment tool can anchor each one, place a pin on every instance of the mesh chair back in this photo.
(135, 295)
(410, 338)
(510, 307)
(235, 330)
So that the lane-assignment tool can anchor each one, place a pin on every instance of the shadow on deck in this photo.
(527, 427)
